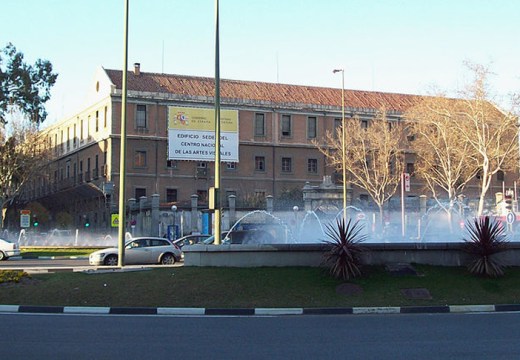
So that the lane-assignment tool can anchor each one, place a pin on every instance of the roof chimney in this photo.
(137, 69)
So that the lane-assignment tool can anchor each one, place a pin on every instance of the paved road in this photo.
(418, 336)
(25, 263)
(77, 264)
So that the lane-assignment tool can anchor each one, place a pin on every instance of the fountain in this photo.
(266, 233)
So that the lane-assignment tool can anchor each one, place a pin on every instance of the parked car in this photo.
(191, 239)
(8, 249)
(141, 250)
(252, 236)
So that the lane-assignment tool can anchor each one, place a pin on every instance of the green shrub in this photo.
(12, 276)
(486, 238)
(344, 256)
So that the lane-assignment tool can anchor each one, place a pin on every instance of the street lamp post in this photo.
(174, 210)
(343, 141)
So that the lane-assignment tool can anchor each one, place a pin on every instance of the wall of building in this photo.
(62, 190)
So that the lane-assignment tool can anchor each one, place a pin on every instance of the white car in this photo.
(8, 249)
(141, 250)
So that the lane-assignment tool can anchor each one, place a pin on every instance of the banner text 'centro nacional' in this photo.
(191, 134)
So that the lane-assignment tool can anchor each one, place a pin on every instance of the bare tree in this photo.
(459, 138)
(22, 155)
(444, 162)
(491, 132)
(373, 156)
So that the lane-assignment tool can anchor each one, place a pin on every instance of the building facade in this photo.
(277, 127)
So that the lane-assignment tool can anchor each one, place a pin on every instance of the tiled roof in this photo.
(262, 91)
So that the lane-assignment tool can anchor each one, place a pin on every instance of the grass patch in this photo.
(31, 252)
(259, 287)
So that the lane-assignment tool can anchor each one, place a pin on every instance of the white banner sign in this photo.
(191, 134)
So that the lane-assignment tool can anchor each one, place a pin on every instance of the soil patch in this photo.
(349, 289)
(401, 269)
(416, 294)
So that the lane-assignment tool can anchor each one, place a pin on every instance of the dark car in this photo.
(252, 236)
(191, 239)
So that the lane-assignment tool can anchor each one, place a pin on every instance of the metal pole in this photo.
(343, 150)
(343, 145)
(402, 206)
(122, 156)
(217, 128)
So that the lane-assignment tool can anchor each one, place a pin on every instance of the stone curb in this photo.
(459, 309)
(62, 257)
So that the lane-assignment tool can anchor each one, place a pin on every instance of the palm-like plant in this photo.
(344, 258)
(486, 238)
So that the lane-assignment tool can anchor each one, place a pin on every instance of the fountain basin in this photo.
(253, 255)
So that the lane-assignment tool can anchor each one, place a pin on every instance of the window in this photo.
(172, 164)
(364, 124)
(96, 167)
(259, 124)
(410, 168)
(286, 164)
(140, 158)
(286, 125)
(203, 195)
(231, 166)
(311, 127)
(337, 127)
(75, 135)
(202, 169)
(81, 130)
(312, 166)
(140, 118)
(259, 163)
(500, 175)
(389, 126)
(140, 192)
(105, 118)
(97, 121)
(171, 195)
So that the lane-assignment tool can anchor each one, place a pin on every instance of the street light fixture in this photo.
(295, 209)
(343, 141)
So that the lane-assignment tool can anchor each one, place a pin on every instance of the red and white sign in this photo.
(406, 179)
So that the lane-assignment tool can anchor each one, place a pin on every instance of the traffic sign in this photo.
(510, 217)
(406, 178)
(115, 220)
(25, 221)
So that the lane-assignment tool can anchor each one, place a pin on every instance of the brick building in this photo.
(276, 126)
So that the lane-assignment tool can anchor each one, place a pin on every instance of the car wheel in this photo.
(2, 256)
(110, 260)
(168, 259)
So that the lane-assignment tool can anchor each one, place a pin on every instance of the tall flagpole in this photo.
(217, 129)
(122, 156)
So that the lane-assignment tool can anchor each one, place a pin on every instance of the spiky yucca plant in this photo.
(344, 256)
(486, 238)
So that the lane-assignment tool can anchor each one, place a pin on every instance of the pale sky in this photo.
(404, 46)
